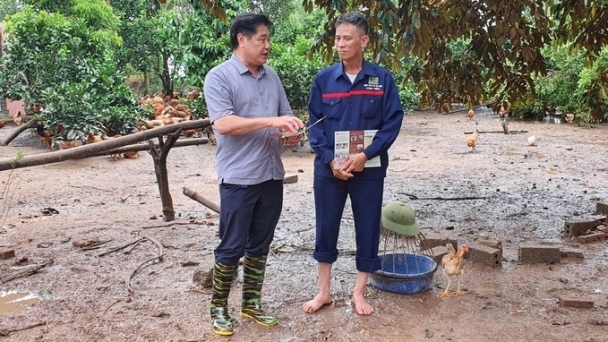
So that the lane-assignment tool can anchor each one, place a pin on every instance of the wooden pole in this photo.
(87, 150)
(144, 147)
(160, 168)
(202, 200)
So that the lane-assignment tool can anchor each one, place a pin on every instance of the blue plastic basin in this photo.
(404, 273)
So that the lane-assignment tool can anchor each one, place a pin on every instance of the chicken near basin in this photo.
(452, 264)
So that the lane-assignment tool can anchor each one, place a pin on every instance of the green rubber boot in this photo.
(253, 277)
(220, 319)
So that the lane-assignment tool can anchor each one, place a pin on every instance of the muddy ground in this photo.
(526, 195)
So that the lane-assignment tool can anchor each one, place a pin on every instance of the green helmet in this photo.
(400, 218)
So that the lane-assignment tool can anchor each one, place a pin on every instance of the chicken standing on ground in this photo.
(453, 264)
(17, 119)
(569, 117)
(532, 141)
(472, 140)
(503, 112)
(470, 114)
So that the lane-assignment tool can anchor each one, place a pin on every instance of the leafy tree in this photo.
(8, 7)
(176, 41)
(66, 66)
(274, 9)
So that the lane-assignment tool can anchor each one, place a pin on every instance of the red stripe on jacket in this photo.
(353, 93)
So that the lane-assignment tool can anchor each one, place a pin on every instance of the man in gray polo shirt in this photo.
(249, 111)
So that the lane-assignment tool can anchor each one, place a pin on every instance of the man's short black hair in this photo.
(247, 24)
(354, 18)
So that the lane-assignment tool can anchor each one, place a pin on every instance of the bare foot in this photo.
(317, 303)
(361, 306)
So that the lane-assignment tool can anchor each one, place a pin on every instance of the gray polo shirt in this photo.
(231, 89)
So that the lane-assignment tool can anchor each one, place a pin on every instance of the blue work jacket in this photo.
(370, 102)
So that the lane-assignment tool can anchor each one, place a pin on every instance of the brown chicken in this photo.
(470, 114)
(569, 117)
(93, 138)
(453, 264)
(503, 112)
(113, 156)
(131, 154)
(17, 119)
(472, 140)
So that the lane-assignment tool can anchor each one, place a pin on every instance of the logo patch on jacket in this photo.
(372, 84)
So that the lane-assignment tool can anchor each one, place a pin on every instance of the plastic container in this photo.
(405, 273)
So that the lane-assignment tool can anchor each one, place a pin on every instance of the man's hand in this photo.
(287, 123)
(340, 173)
(291, 140)
(355, 163)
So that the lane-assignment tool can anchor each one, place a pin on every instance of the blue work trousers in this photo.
(248, 217)
(366, 199)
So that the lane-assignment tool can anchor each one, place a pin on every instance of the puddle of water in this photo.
(16, 301)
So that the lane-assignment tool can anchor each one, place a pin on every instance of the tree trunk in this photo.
(166, 77)
(160, 168)
(88, 150)
(146, 83)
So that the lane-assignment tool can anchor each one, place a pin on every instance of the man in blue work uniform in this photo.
(352, 95)
(248, 108)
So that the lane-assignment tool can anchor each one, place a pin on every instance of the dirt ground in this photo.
(526, 194)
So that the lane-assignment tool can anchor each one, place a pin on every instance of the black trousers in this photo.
(248, 217)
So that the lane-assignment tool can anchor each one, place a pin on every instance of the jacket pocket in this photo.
(372, 106)
(332, 108)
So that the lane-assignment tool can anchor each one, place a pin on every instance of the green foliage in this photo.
(8, 7)
(204, 41)
(54, 6)
(557, 89)
(197, 107)
(100, 103)
(44, 50)
(274, 9)
(297, 23)
(295, 70)
(408, 92)
(61, 63)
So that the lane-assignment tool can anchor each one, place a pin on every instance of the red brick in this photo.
(572, 255)
(7, 253)
(497, 244)
(431, 241)
(485, 255)
(290, 179)
(532, 254)
(579, 228)
(576, 302)
(601, 208)
(593, 237)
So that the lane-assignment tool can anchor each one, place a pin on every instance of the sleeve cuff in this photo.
(327, 157)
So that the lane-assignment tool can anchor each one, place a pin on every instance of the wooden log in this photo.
(202, 200)
(24, 272)
(87, 150)
(476, 106)
(502, 132)
(30, 124)
(146, 147)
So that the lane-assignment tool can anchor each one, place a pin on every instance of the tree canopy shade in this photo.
(504, 39)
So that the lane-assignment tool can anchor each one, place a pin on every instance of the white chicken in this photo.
(532, 141)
